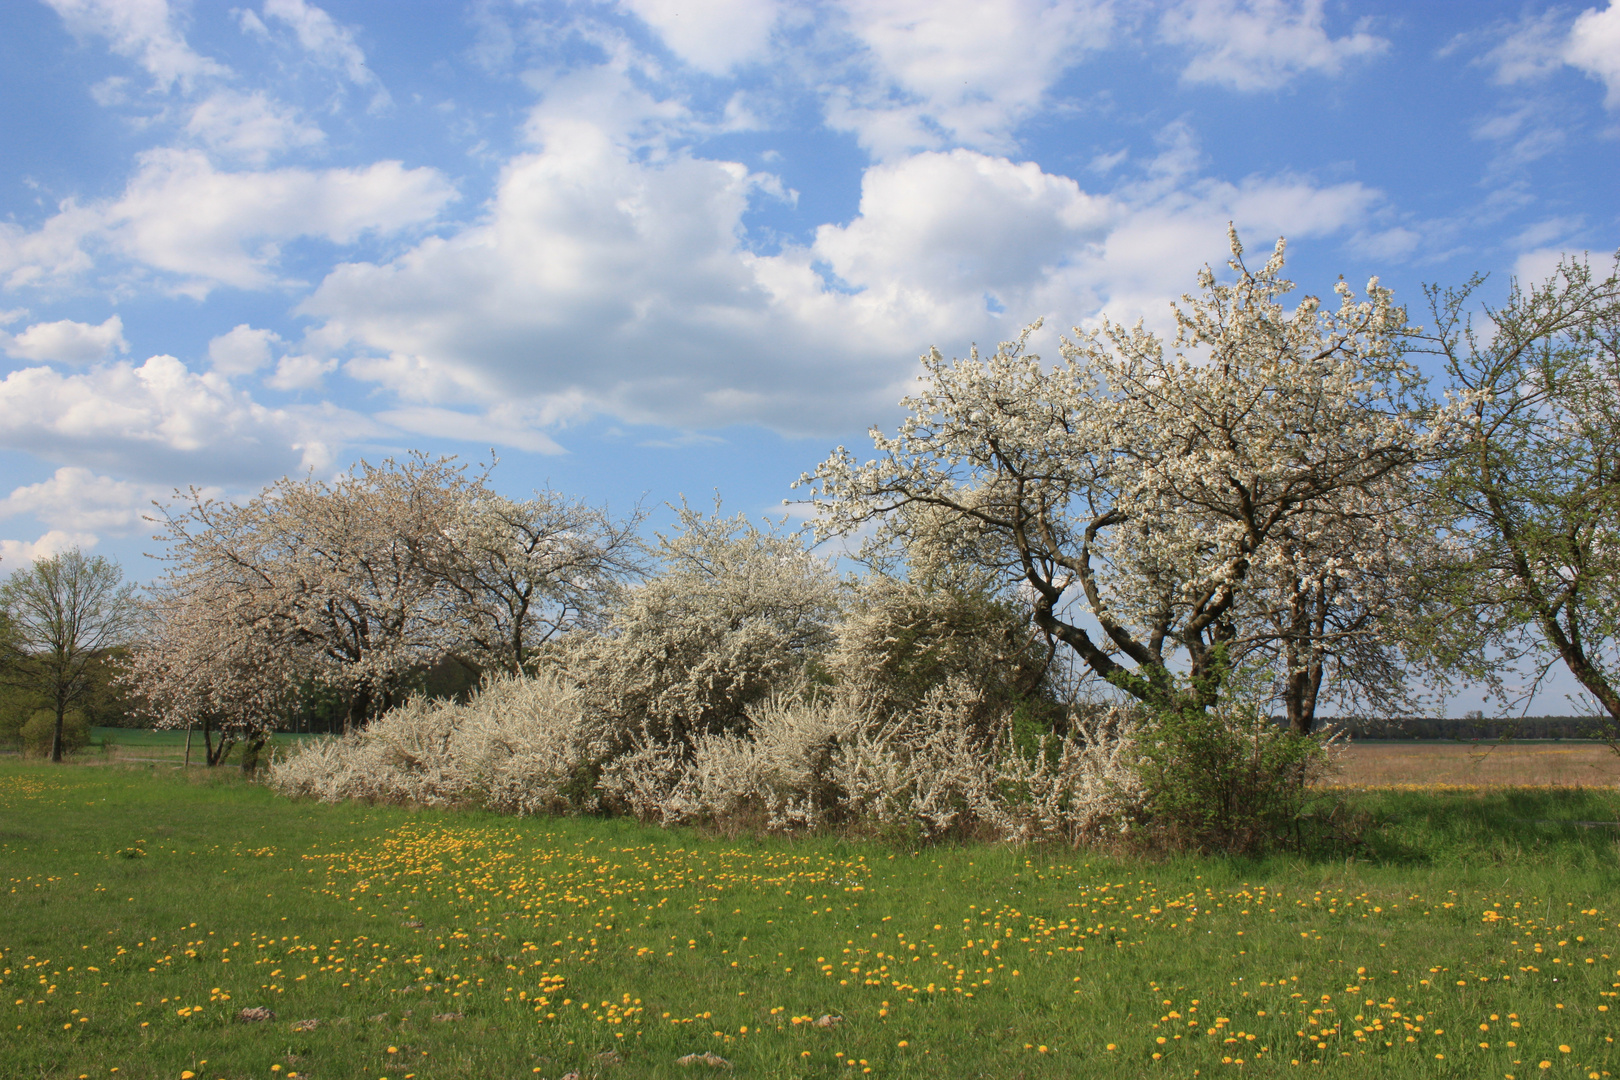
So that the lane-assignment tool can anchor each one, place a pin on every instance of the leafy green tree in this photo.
(40, 734)
(16, 709)
(1531, 490)
(65, 613)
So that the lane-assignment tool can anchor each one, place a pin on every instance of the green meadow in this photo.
(110, 745)
(166, 925)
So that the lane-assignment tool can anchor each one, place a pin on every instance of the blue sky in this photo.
(662, 247)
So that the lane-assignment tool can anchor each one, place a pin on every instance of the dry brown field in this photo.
(1484, 764)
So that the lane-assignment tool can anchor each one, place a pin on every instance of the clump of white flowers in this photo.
(776, 776)
(899, 640)
(736, 615)
(520, 746)
(525, 746)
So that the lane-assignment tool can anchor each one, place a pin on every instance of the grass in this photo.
(110, 745)
(1475, 938)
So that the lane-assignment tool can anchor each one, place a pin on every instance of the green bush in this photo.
(1225, 778)
(38, 732)
(16, 706)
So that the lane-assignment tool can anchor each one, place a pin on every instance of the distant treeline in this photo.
(1466, 728)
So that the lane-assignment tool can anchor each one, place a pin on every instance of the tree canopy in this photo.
(63, 614)
(1530, 495)
(1174, 511)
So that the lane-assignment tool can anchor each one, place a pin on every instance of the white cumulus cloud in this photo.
(713, 37)
(67, 342)
(622, 282)
(250, 127)
(76, 499)
(181, 214)
(962, 224)
(328, 44)
(161, 421)
(211, 227)
(241, 350)
(945, 73)
(1594, 47)
(1529, 49)
(51, 253)
(1260, 44)
(497, 426)
(146, 31)
(16, 553)
(302, 372)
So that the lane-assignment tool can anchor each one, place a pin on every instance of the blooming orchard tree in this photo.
(528, 570)
(351, 578)
(361, 583)
(1532, 490)
(1221, 504)
(218, 661)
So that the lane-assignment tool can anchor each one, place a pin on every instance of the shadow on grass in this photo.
(1578, 828)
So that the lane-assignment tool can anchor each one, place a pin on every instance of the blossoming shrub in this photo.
(521, 746)
(777, 776)
(900, 640)
(927, 773)
(526, 746)
(1083, 786)
(921, 769)
(736, 616)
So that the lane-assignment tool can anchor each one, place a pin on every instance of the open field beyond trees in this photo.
(1551, 763)
(1474, 937)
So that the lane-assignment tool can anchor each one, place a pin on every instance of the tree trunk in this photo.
(1302, 689)
(359, 705)
(56, 736)
(250, 753)
(1301, 695)
(215, 754)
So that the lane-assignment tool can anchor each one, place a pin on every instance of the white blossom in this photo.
(1154, 499)
(733, 615)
